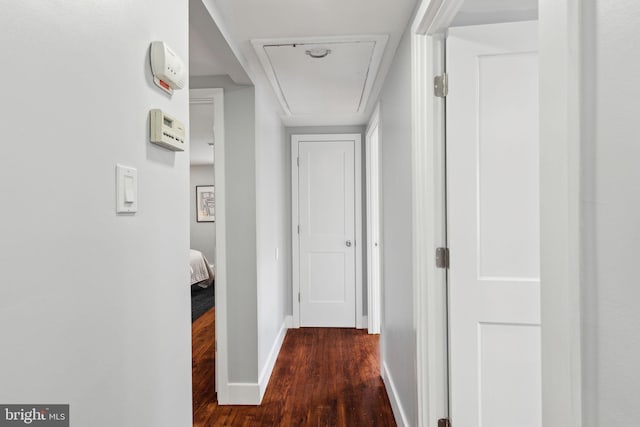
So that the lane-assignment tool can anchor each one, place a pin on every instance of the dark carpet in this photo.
(202, 300)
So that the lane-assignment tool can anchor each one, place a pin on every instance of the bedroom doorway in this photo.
(202, 204)
(205, 130)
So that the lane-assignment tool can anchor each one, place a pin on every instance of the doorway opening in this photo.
(327, 230)
(215, 72)
(206, 130)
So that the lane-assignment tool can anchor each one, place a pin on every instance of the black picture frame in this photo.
(205, 203)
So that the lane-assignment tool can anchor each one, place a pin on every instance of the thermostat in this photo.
(166, 131)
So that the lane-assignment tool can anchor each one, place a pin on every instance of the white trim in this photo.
(357, 139)
(380, 42)
(207, 97)
(560, 27)
(374, 120)
(216, 96)
(359, 243)
(396, 405)
(242, 394)
(429, 229)
(435, 16)
(265, 375)
(295, 241)
(372, 170)
(252, 393)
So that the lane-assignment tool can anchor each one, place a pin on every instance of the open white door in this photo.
(493, 225)
(327, 202)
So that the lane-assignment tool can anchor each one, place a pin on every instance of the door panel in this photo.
(509, 389)
(327, 233)
(509, 233)
(493, 225)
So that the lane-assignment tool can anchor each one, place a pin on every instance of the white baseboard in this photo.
(392, 392)
(252, 393)
(265, 375)
(244, 394)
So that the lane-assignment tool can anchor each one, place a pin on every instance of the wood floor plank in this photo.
(323, 377)
(203, 361)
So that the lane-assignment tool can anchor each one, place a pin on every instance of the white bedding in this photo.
(201, 272)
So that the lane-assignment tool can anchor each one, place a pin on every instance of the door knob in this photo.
(348, 243)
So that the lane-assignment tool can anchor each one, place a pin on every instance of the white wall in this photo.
(272, 214)
(258, 216)
(94, 307)
(203, 234)
(398, 347)
(261, 208)
(241, 252)
(611, 214)
(240, 151)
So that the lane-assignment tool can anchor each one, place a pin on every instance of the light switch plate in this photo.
(126, 189)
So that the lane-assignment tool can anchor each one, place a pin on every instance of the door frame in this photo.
(215, 96)
(295, 241)
(429, 220)
(372, 169)
(561, 29)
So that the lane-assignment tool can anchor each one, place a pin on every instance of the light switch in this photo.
(129, 196)
(126, 189)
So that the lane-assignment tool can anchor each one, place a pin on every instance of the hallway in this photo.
(323, 377)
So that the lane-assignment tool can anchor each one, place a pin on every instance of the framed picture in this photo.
(205, 203)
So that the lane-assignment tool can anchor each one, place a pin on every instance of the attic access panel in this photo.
(336, 83)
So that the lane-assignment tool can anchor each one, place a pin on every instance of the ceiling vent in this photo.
(322, 75)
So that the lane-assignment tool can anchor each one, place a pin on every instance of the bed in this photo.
(201, 272)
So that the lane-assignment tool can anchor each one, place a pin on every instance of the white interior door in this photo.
(327, 233)
(493, 224)
(373, 225)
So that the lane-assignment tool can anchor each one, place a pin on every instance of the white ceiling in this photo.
(242, 21)
(476, 12)
(210, 60)
(221, 49)
(209, 53)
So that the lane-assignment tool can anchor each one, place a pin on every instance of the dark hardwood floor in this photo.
(203, 332)
(323, 377)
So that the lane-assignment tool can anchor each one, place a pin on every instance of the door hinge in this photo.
(298, 296)
(298, 228)
(441, 85)
(298, 161)
(444, 422)
(442, 257)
